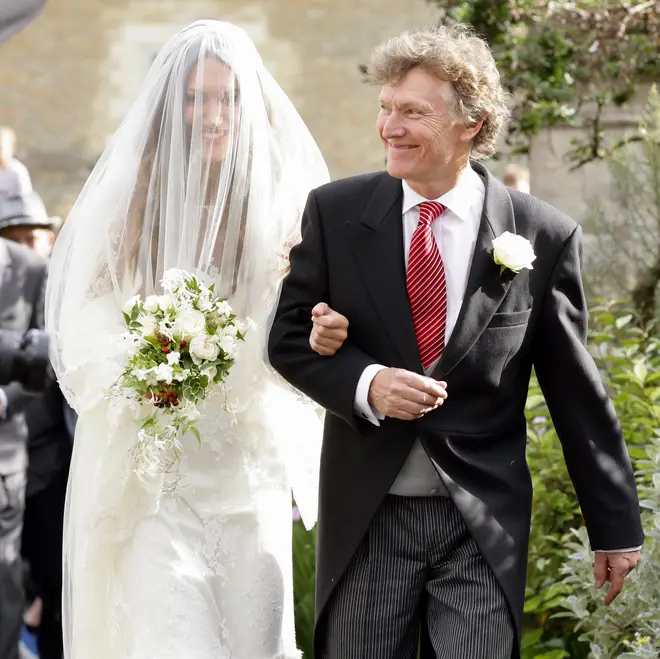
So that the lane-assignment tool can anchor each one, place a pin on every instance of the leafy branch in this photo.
(564, 63)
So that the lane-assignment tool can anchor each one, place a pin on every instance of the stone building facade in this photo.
(68, 79)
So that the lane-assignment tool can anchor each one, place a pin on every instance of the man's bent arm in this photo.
(330, 381)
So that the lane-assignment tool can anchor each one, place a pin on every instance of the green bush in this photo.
(629, 361)
(630, 627)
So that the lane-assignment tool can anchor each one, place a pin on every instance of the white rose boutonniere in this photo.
(513, 252)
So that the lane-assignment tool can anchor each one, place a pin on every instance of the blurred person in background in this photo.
(14, 16)
(24, 220)
(22, 287)
(516, 177)
(14, 176)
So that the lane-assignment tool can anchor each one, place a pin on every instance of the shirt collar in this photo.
(458, 200)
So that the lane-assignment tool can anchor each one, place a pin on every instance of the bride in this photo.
(209, 173)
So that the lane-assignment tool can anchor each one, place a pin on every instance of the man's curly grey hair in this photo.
(451, 52)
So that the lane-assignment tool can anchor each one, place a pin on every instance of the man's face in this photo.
(415, 125)
(38, 239)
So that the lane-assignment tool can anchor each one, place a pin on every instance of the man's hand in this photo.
(329, 332)
(613, 567)
(405, 395)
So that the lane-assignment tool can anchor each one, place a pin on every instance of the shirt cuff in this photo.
(362, 406)
(617, 551)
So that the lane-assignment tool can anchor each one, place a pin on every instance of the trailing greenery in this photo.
(566, 62)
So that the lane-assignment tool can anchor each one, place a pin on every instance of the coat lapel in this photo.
(486, 287)
(378, 246)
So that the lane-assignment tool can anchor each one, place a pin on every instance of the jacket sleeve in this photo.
(330, 381)
(16, 396)
(583, 415)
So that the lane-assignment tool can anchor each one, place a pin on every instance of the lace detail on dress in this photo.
(101, 284)
(218, 547)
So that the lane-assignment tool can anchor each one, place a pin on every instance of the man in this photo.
(516, 177)
(22, 286)
(24, 220)
(50, 439)
(425, 493)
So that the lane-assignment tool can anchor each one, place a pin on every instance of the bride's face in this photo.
(211, 101)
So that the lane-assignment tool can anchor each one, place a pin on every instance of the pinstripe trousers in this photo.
(417, 560)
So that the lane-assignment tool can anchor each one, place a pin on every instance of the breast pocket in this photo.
(510, 319)
(501, 340)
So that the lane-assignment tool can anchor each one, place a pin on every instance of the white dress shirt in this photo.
(455, 233)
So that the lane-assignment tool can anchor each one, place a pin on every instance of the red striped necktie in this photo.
(427, 288)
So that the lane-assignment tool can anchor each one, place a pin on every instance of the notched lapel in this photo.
(487, 285)
(378, 247)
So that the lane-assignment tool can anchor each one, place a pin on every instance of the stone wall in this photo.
(68, 79)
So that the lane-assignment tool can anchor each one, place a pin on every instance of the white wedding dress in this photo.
(209, 172)
(197, 565)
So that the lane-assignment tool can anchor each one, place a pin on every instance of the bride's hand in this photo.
(329, 332)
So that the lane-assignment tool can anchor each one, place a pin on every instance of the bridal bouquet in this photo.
(182, 345)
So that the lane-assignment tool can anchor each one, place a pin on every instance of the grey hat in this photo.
(25, 210)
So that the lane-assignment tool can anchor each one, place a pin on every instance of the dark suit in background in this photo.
(22, 286)
(49, 449)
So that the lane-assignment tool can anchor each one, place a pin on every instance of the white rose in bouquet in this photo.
(151, 304)
(130, 303)
(149, 325)
(174, 279)
(165, 302)
(203, 348)
(190, 323)
(229, 345)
